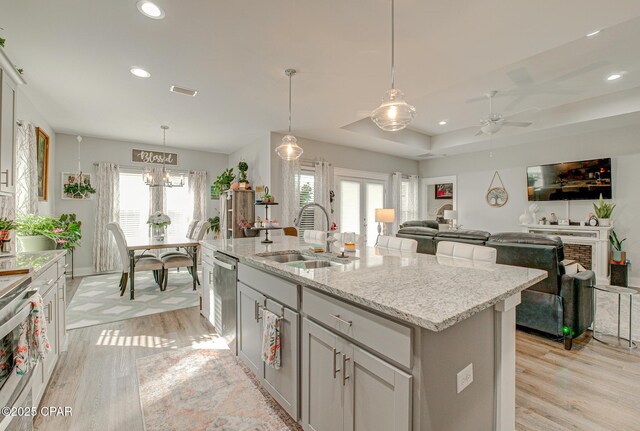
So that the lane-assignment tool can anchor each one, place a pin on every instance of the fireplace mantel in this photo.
(595, 236)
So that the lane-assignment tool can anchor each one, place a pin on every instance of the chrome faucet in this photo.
(298, 219)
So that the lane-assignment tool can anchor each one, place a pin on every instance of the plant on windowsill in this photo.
(223, 181)
(603, 212)
(79, 190)
(6, 226)
(617, 255)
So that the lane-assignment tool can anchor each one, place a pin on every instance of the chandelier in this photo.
(151, 177)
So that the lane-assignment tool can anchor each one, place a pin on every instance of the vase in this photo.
(604, 222)
(159, 232)
(36, 243)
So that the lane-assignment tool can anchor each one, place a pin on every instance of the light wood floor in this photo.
(590, 388)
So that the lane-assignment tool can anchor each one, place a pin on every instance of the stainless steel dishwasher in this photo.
(225, 284)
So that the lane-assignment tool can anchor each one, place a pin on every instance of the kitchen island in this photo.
(380, 340)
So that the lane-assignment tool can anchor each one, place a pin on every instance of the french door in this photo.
(357, 201)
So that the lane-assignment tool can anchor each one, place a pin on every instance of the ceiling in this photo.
(77, 57)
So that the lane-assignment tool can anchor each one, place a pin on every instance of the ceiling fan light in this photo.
(394, 113)
(289, 149)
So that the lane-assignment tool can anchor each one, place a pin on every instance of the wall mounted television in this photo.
(582, 180)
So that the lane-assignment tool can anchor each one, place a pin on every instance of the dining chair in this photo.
(395, 243)
(290, 231)
(191, 228)
(143, 262)
(182, 259)
(470, 252)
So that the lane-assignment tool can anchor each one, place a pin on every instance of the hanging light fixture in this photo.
(165, 180)
(79, 175)
(289, 149)
(394, 113)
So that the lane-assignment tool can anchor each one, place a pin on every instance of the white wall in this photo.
(257, 154)
(474, 172)
(28, 112)
(101, 150)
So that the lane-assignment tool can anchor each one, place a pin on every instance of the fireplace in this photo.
(581, 253)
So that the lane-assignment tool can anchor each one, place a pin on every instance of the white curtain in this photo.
(26, 170)
(321, 188)
(413, 199)
(198, 191)
(156, 194)
(291, 191)
(395, 200)
(105, 251)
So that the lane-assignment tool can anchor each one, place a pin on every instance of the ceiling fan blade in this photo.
(516, 124)
(515, 102)
(581, 71)
(483, 98)
(520, 77)
(529, 111)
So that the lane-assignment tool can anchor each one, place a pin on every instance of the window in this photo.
(305, 189)
(408, 201)
(179, 207)
(134, 204)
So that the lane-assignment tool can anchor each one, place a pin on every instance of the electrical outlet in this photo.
(465, 377)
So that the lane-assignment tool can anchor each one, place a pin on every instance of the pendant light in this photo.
(394, 113)
(79, 175)
(289, 149)
(166, 180)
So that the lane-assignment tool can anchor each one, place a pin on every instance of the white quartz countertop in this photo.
(36, 262)
(428, 291)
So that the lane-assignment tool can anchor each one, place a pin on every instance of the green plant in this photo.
(615, 242)
(69, 232)
(223, 181)
(2, 41)
(214, 225)
(7, 224)
(243, 167)
(603, 210)
(78, 189)
(34, 225)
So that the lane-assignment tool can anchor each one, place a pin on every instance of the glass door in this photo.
(358, 200)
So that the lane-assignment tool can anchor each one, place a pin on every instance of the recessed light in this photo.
(150, 9)
(140, 73)
(593, 33)
(614, 76)
(443, 123)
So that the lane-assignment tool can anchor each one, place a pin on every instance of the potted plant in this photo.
(223, 181)
(69, 232)
(6, 226)
(159, 222)
(617, 255)
(603, 212)
(214, 226)
(243, 182)
(246, 228)
(37, 233)
(78, 190)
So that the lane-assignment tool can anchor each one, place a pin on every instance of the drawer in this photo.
(62, 266)
(207, 253)
(277, 288)
(387, 337)
(46, 279)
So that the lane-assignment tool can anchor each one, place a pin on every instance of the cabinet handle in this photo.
(6, 182)
(210, 277)
(344, 370)
(335, 370)
(256, 309)
(49, 313)
(341, 320)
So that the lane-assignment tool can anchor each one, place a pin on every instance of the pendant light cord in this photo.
(393, 44)
(290, 74)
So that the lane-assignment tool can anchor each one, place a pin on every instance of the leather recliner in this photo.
(423, 231)
(560, 305)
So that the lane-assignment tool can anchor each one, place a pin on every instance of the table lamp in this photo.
(450, 215)
(384, 215)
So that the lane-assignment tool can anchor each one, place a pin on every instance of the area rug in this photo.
(98, 299)
(207, 389)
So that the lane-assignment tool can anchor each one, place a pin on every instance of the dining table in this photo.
(146, 244)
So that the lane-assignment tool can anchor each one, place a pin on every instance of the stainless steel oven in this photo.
(225, 283)
(15, 389)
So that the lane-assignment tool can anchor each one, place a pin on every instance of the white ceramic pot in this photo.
(36, 243)
(604, 222)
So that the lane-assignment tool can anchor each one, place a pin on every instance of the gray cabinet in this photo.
(207, 308)
(282, 383)
(7, 133)
(62, 314)
(348, 389)
(250, 304)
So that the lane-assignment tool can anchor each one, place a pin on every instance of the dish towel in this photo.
(33, 343)
(271, 339)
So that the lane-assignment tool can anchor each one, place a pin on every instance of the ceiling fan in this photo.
(494, 122)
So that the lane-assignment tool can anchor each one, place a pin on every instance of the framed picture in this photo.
(42, 140)
(214, 196)
(444, 191)
(78, 192)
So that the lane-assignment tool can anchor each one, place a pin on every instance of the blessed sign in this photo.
(157, 157)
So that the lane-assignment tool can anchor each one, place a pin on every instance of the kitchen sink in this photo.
(312, 264)
(288, 257)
